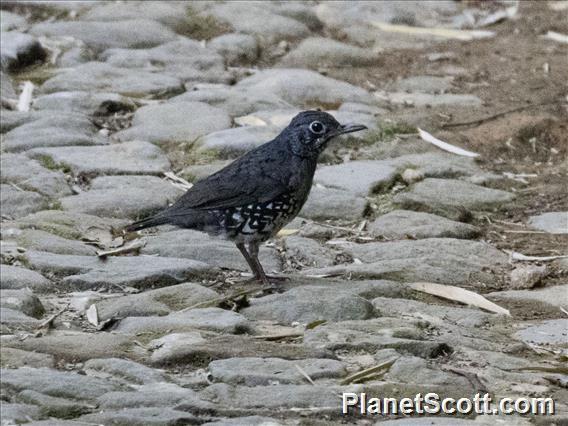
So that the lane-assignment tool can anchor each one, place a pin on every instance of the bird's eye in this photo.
(317, 127)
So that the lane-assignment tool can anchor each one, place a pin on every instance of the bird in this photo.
(252, 198)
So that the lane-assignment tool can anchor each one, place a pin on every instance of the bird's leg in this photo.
(253, 265)
(258, 270)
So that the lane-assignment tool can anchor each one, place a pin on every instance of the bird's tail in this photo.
(147, 223)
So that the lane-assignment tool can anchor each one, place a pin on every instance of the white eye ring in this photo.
(316, 127)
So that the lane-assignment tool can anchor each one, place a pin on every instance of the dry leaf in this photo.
(459, 295)
(93, 315)
(448, 33)
(521, 257)
(286, 232)
(444, 145)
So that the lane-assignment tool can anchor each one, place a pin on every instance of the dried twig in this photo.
(49, 321)
(523, 258)
(303, 373)
(177, 181)
(271, 337)
(425, 136)
(368, 372)
(472, 377)
(133, 246)
(218, 300)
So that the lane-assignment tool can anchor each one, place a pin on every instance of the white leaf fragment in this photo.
(444, 145)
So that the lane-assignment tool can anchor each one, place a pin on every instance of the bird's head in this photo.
(309, 132)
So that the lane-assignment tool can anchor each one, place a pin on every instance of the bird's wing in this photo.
(250, 179)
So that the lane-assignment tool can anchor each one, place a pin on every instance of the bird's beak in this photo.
(350, 128)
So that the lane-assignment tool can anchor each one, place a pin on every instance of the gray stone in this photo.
(11, 21)
(51, 131)
(192, 349)
(361, 108)
(555, 296)
(236, 48)
(232, 143)
(123, 197)
(272, 371)
(53, 406)
(328, 203)
(247, 421)
(426, 99)
(214, 319)
(415, 370)
(15, 358)
(123, 158)
(154, 302)
(151, 416)
(194, 172)
(401, 224)
(44, 241)
(184, 58)
(22, 300)
(553, 222)
(528, 276)
(17, 203)
(88, 272)
(168, 124)
(448, 197)
(99, 76)
(236, 102)
(15, 320)
(423, 84)
(318, 52)
(73, 346)
(307, 252)
(358, 177)
(124, 369)
(550, 332)
(20, 50)
(14, 277)
(30, 175)
(84, 102)
(56, 383)
(13, 414)
(441, 260)
(259, 21)
(7, 90)
(133, 33)
(307, 304)
(215, 251)
(304, 88)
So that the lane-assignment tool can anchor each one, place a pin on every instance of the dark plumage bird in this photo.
(251, 199)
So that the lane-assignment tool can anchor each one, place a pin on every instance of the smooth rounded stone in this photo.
(190, 244)
(75, 347)
(435, 314)
(401, 224)
(236, 48)
(552, 222)
(7, 90)
(44, 241)
(14, 277)
(52, 131)
(308, 252)
(415, 370)
(279, 118)
(84, 102)
(31, 175)
(72, 226)
(168, 124)
(368, 120)
(441, 260)
(15, 358)
(419, 99)
(361, 108)
(131, 33)
(22, 300)
(450, 197)
(317, 52)
(102, 77)
(357, 177)
(18, 203)
(124, 369)
(214, 319)
(328, 203)
(151, 416)
(123, 197)
(9, 119)
(88, 272)
(247, 421)
(423, 84)
(56, 383)
(154, 302)
(236, 102)
(53, 406)
(15, 413)
(134, 157)
(11, 21)
(305, 88)
(195, 172)
(192, 349)
(234, 142)
(555, 295)
(259, 21)
(16, 320)
(431, 421)
(307, 304)
(527, 276)
(271, 371)
(549, 332)
(20, 50)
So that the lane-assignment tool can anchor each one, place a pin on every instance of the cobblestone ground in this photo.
(170, 330)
